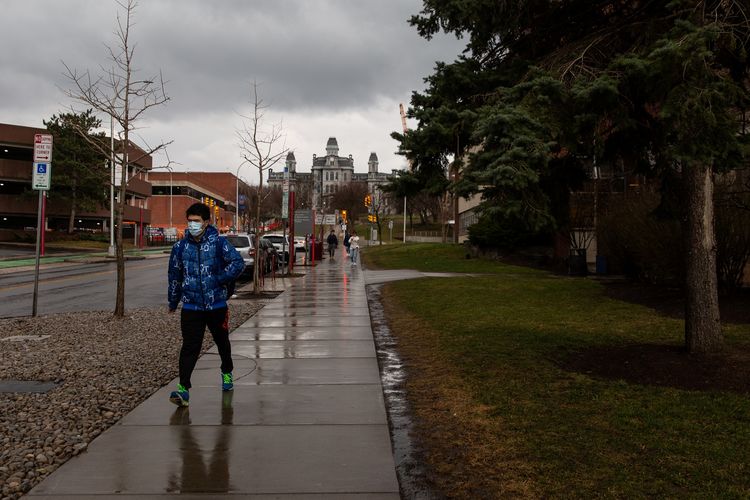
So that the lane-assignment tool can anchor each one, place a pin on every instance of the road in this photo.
(84, 287)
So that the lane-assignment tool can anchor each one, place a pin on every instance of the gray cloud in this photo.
(343, 58)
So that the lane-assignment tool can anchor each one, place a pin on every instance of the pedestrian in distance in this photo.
(202, 268)
(354, 247)
(333, 242)
(347, 236)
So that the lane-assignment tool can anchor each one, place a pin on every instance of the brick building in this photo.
(18, 202)
(174, 192)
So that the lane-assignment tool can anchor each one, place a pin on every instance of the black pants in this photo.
(193, 324)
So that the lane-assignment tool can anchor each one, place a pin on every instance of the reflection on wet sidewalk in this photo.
(306, 418)
(203, 473)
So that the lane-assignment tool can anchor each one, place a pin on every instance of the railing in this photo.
(160, 240)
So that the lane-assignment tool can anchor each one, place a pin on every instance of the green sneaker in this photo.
(180, 397)
(227, 384)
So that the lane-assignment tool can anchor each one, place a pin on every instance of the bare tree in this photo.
(124, 99)
(351, 197)
(377, 209)
(261, 149)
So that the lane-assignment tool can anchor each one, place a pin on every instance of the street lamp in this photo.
(111, 249)
(170, 196)
(237, 199)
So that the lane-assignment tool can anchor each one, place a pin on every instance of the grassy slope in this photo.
(568, 433)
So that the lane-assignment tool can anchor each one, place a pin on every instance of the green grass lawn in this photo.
(435, 258)
(508, 333)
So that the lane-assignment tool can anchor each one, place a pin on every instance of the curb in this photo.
(104, 260)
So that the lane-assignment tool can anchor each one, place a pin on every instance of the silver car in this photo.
(243, 242)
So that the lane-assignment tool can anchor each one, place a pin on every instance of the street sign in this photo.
(390, 224)
(285, 205)
(303, 222)
(40, 178)
(42, 148)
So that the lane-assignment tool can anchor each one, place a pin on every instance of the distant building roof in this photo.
(373, 157)
(342, 162)
(290, 156)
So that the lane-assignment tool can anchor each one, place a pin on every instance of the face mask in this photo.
(195, 227)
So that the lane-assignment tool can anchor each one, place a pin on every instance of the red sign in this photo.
(42, 148)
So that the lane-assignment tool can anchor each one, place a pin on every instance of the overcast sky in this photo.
(326, 68)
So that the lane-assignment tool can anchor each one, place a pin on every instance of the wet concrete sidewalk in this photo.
(306, 419)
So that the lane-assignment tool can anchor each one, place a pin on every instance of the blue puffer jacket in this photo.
(199, 271)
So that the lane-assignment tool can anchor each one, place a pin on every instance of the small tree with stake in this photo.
(260, 148)
(119, 95)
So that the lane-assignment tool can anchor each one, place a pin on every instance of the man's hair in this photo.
(198, 209)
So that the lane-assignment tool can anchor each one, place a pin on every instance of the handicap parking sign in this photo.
(42, 174)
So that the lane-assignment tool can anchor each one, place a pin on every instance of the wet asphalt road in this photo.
(84, 287)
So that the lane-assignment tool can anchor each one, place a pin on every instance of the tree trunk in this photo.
(256, 266)
(702, 323)
(120, 252)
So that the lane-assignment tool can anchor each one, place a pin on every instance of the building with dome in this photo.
(328, 173)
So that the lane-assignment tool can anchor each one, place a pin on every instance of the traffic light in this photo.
(343, 215)
(368, 200)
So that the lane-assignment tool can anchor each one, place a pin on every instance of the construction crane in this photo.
(403, 116)
(403, 125)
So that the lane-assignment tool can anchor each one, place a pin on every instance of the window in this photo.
(238, 241)
(337, 176)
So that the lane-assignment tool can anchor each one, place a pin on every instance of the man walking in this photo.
(333, 242)
(201, 266)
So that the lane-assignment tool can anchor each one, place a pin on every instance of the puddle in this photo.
(411, 472)
(23, 338)
(26, 386)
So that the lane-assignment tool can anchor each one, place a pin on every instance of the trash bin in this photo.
(601, 264)
(577, 262)
(318, 250)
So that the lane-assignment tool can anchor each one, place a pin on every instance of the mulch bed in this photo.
(670, 365)
(666, 365)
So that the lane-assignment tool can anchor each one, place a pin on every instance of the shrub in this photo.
(502, 233)
(644, 242)
(640, 243)
(732, 235)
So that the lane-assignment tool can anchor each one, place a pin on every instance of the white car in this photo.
(280, 241)
(299, 244)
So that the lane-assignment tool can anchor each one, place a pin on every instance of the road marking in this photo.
(70, 278)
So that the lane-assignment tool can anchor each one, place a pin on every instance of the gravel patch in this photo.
(104, 367)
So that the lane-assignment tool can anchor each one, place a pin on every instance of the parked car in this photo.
(279, 241)
(299, 245)
(243, 242)
(270, 254)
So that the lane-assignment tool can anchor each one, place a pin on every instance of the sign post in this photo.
(284, 217)
(40, 180)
